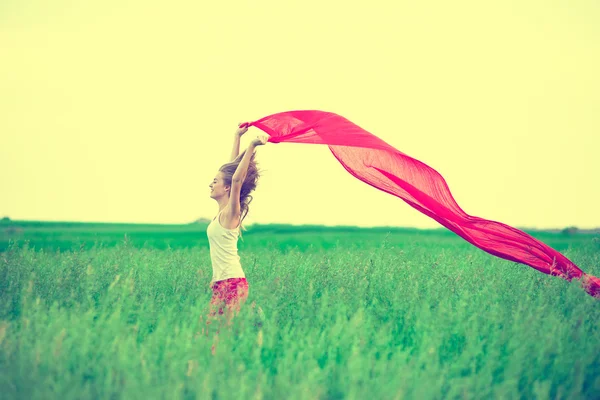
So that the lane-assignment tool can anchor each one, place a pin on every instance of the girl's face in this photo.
(218, 188)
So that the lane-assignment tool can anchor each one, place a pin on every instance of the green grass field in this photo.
(117, 312)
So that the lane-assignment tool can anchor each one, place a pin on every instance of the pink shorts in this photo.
(229, 293)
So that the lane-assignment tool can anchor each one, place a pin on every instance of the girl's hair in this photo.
(248, 185)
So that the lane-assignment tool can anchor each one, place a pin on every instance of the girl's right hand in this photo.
(242, 128)
(260, 140)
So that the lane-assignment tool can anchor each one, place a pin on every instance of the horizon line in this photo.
(7, 220)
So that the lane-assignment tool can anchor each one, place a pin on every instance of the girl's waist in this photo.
(229, 282)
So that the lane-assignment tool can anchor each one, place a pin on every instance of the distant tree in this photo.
(570, 230)
(5, 219)
(202, 221)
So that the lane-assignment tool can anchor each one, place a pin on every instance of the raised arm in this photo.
(240, 174)
(236, 140)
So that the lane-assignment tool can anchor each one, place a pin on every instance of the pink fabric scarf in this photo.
(380, 165)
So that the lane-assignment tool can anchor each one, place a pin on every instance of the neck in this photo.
(222, 202)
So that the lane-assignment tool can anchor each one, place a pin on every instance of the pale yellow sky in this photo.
(122, 111)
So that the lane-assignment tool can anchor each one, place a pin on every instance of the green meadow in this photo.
(109, 311)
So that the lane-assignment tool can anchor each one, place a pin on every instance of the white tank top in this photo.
(223, 251)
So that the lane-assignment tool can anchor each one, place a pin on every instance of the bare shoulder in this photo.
(229, 219)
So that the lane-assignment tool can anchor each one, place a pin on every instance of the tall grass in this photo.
(386, 321)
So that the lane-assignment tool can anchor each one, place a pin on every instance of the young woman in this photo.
(231, 188)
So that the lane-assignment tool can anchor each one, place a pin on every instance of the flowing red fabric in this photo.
(380, 165)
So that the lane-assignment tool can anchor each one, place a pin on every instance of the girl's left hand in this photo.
(242, 128)
(260, 140)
